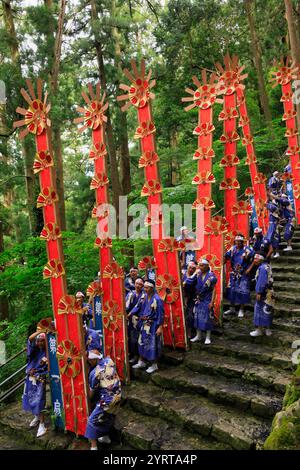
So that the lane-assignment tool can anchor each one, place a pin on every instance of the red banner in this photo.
(70, 350)
(112, 275)
(139, 95)
(284, 75)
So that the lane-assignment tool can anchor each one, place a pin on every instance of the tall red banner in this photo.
(70, 349)
(112, 275)
(258, 179)
(165, 250)
(203, 98)
(284, 75)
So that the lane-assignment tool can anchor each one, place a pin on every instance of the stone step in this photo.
(285, 277)
(287, 297)
(280, 309)
(198, 415)
(294, 244)
(285, 269)
(148, 432)
(239, 329)
(284, 286)
(254, 352)
(288, 324)
(286, 258)
(267, 376)
(232, 392)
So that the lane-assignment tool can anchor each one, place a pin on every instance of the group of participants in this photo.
(249, 269)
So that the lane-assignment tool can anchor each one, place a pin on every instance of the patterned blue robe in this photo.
(288, 215)
(129, 284)
(34, 395)
(106, 387)
(132, 299)
(87, 317)
(275, 185)
(273, 234)
(238, 289)
(189, 291)
(92, 340)
(151, 316)
(205, 285)
(263, 309)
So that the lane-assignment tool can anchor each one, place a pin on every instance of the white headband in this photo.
(276, 173)
(148, 284)
(257, 256)
(257, 230)
(203, 261)
(94, 356)
(239, 238)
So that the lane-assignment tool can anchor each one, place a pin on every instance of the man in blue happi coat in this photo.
(189, 254)
(263, 308)
(130, 279)
(205, 284)
(34, 395)
(275, 184)
(189, 295)
(238, 289)
(288, 220)
(151, 319)
(134, 298)
(273, 233)
(87, 309)
(105, 393)
(259, 243)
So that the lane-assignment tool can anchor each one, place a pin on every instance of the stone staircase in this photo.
(221, 396)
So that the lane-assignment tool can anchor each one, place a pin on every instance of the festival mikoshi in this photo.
(178, 289)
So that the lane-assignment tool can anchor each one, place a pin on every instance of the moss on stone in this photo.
(286, 436)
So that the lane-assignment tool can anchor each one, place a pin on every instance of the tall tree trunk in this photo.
(4, 310)
(294, 43)
(257, 54)
(27, 148)
(55, 130)
(122, 118)
(114, 174)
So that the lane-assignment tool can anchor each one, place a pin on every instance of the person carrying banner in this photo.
(238, 289)
(132, 299)
(34, 395)
(151, 319)
(264, 305)
(205, 298)
(105, 393)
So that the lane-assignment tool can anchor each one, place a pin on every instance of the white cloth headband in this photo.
(148, 284)
(257, 256)
(94, 356)
(257, 230)
(239, 238)
(203, 261)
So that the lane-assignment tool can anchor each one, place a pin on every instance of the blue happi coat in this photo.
(238, 289)
(129, 284)
(260, 244)
(151, 316)
(288, 216)
(92, 340)
(275, 185)
(132, 299)
(273, 234)
(205, 284)
(189, 291)
(34, 395)
(263, 308)
(106, 387)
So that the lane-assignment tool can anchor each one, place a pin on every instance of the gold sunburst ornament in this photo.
(231, 76)
(205, 94)
(36, 116)
(94, 113)
(139, 92)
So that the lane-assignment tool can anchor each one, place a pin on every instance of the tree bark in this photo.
(55, 130)
(257, 54)
(114, 174)
(294, 43)
(124, 148)
(27, 148)
(4, 308)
